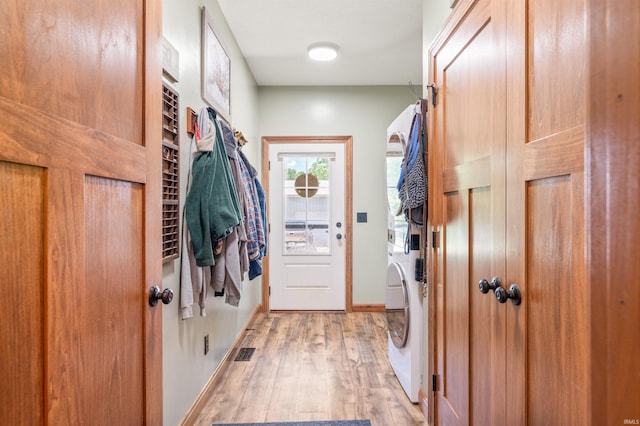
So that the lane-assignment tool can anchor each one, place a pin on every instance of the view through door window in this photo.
(306, 205)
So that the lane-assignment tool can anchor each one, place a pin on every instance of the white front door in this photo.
(307, 251)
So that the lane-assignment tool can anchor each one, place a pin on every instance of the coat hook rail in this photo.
(192, 119)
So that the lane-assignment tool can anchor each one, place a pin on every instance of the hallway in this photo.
(312, 366)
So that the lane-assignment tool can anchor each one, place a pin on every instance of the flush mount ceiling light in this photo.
(323, 51)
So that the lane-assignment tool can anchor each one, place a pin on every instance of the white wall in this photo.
(434, 13)
(363, 112)
(186, 369)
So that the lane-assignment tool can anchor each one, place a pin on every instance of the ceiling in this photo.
(380, 41)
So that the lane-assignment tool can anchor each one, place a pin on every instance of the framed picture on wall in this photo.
(170, 60)
(216, 69)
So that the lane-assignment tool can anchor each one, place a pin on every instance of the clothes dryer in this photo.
(404, 322)
(403, 292)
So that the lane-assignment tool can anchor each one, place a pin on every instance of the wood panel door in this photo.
(547, 335)
(508, 136)
(80, 168)
(469, 146)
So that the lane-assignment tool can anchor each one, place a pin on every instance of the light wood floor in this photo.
(312, 366)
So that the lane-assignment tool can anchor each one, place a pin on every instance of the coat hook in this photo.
(192, 121)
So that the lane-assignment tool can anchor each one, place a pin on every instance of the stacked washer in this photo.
(403, 291)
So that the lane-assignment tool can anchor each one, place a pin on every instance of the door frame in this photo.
(152, 139)
(267, 141)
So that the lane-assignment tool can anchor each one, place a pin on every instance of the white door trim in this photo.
(348, 142)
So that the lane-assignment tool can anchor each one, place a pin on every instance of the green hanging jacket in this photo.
(212, 209)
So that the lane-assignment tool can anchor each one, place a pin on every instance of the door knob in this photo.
(513, 293)
(485, 285)
(155, 294)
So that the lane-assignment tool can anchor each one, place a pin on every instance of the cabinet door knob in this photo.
(155, 294)
(485, 285)
(513, 293)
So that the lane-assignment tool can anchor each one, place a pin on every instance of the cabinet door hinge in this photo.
(434, 239)
(434, 383)
(434, 93)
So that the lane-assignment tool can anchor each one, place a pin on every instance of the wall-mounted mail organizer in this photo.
(170, 174)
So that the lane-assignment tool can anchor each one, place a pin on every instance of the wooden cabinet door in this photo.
(80, 206)
(547, 344)
(469, 147)
(508, 143)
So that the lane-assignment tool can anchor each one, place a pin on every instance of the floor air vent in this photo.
(245, 354)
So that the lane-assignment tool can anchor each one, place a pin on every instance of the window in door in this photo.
(306, 205)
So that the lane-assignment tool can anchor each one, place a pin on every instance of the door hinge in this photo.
(434, 383)
(269, 165)
(434, 239)
(269, 290)
(434, 93)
